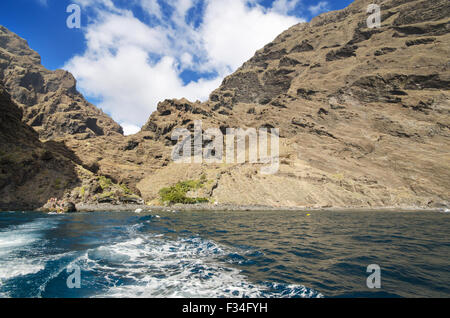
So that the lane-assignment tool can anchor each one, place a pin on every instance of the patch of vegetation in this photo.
(106, 195)
(105, 183)
(82, 192)
(177, 193)
(125, 189)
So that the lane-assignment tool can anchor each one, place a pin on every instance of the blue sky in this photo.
(130, 54)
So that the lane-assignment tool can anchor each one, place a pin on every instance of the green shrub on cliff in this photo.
(82, 192)
(105, 183)
(177, 193)
(105, 195)
(125, 189)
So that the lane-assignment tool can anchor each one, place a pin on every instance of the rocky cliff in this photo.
(33, 172)
(363, 116)
(363, 113)
(29, 168)
(50, 101)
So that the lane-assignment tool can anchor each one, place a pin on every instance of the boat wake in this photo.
(141, 264)
(188, 267)
(15, 241)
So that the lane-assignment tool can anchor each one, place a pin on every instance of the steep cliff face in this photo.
(32, 172)
(29, 169)
(333, 60)
(363, 113)
(50, 101)
(364, 116)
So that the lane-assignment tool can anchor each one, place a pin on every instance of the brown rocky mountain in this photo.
(32, 171)
(26, 163)
(50, 101)
(364, 117)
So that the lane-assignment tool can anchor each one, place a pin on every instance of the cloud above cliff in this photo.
(149, 50)
(320, 7)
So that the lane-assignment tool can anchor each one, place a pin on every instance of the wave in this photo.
(16, 242)
(141, 264)
(151, 266)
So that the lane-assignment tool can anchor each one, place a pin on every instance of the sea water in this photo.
(224, 254)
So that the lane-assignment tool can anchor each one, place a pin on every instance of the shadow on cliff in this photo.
(31, 171)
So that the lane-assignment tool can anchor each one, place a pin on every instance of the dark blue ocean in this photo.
(224, 254)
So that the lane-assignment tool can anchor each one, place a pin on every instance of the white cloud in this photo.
(232, 32)
(152, 8)
(129, 129)
(130, 65)
(285, 6)
(322, 6)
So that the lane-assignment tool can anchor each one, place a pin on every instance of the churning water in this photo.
(225, 254)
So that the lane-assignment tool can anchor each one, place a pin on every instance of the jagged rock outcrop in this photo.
(35, 174)
(50, 101)
(30, 171)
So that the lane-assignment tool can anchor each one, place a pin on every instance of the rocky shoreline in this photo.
(138, 208)
(241, 208)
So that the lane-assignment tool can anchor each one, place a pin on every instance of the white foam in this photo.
(142, 266)
(155, 267)
(16, 239)
(17, 236)
(11, 269)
